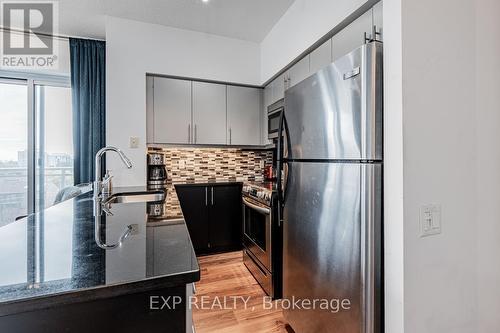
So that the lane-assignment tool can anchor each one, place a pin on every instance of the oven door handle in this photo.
(262, 210)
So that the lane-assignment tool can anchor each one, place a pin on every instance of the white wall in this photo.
(135, 48)
(393, 169)
(305, 22)
(488, 163)
(444, 64)
(439, 151)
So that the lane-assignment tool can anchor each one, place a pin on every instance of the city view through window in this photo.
(53, 148)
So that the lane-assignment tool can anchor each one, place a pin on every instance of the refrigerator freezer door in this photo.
(324, 241)
(337, 112)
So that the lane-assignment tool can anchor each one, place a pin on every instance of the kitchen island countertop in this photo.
(50, 258)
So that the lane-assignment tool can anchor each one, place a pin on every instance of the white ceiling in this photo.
(243, 19)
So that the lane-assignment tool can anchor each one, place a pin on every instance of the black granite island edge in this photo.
(98, 293)
(79, 210)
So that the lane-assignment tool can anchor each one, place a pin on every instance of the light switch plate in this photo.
(430, 220)
(134, 142)
(134, 229)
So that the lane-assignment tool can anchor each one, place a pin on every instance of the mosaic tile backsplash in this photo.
(205, 165)
(215, 164)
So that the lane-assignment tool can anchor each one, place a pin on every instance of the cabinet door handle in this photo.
(189, 133)
(212, 190)
(195, 133)
(206, 196)
(230, 135)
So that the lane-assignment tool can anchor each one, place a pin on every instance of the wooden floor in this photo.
(226, 275)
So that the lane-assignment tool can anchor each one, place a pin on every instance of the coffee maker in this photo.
(157, 171)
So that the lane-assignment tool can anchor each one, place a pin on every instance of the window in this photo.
(36, 142)
(54, 144)
(13, 142)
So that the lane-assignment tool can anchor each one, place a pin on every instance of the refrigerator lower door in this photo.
(332, 225)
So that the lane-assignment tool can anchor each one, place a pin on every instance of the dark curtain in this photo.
(88, 86)
(88, 60)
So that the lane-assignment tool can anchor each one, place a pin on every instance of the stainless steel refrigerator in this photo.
(332, 196)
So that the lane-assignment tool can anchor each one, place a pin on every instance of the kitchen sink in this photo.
(135, 197)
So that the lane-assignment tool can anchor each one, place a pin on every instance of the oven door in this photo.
(257, 230)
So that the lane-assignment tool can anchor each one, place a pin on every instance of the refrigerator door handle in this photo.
(370, 249)
(286, 171)
(280, 158)
(283, 143)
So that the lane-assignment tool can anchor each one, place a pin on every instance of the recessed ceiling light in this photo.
(205, 1)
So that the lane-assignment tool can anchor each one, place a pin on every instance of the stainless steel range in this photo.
(262, 236)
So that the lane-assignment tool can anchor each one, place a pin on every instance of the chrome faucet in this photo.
(98, 198)
(98, 181)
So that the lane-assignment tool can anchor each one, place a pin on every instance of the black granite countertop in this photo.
(51, 258)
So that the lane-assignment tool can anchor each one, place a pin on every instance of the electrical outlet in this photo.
(134, 142)
(430, 220)
(181, 164)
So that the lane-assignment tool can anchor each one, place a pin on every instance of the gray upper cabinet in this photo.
(321, 57)
(268, 95)
(278, 88)
(150, 110)
(298, 72)
(243, 115)
(192, 112)
(352, 36)
(267, 100)
(209, 113)
(378, 19)
(172, 111)
(345, 41)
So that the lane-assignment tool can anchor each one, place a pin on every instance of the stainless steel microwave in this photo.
(274, 112)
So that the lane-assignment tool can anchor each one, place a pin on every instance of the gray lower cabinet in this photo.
(171, 110)
(243, 115)
(320, 57)
(209, 113)
(352, 36)
(190, 291)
